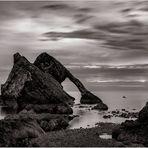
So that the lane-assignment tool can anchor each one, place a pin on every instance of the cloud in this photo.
(137, 66)
(120, 27)
(117, 81)
(56, 7)
(126, 10)
(144, 9)
(81, 34)
(130, 35)
(98, 35)
(85, 9)
(81, 18)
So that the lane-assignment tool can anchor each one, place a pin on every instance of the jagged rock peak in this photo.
(27, 84)
(44, 56)
(16, 57)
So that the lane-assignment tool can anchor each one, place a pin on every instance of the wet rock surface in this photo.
(134, 132)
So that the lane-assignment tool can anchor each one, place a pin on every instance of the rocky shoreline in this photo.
(38, 110)
(134, 131)
(123, 113)
(35, 100)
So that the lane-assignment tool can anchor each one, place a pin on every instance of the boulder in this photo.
(27, 84)
(50, 65)
(130, 124)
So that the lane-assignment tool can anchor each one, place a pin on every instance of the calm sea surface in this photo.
(134, 101)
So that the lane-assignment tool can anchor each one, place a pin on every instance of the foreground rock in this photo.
(27, 84)
(14, 131)
(134, 131)
(18, 130)
(50, 65)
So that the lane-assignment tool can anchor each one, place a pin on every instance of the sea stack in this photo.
(50, 65)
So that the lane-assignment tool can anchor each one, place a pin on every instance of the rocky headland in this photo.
(36, 101)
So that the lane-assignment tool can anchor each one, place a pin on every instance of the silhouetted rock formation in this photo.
(27, 84)
(134, 131)
(36, 100)
(50, 65)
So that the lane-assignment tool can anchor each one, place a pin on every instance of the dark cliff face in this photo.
(27, 84)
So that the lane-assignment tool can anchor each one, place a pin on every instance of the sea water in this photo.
(134, 101)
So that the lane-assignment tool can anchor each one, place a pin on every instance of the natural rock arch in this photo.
(49, 64)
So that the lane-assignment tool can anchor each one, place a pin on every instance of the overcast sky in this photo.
(102, 41)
